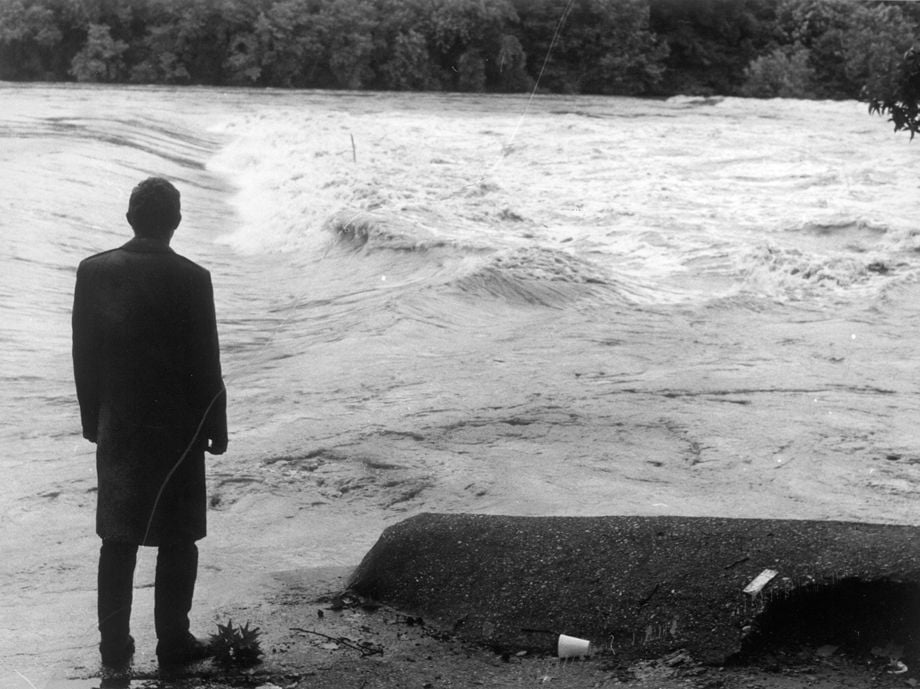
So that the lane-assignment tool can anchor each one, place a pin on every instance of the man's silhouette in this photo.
(147, 370)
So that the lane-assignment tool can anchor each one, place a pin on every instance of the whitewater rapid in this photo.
(434, 302)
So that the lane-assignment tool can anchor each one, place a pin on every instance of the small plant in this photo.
(236, 645)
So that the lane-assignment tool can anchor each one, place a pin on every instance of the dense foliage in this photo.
(763, 48)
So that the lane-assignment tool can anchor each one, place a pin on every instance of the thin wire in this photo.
(26, 679)
(556, 33)
(552, 44)
(175, 467)
(172, 471)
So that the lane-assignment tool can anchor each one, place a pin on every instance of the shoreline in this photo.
(318, 631)
(418, 654)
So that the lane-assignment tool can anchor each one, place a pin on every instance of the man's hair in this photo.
(154, 208)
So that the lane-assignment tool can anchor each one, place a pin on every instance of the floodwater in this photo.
(564, 305)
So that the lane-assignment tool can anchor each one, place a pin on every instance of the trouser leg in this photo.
(177, 570)
(115, 591)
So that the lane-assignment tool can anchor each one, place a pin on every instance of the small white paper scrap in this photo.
(760, 581)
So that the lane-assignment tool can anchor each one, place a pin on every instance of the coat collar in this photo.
(145, 245)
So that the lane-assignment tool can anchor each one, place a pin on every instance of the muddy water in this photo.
(432, 302)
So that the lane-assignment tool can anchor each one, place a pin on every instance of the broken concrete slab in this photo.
(640, 586)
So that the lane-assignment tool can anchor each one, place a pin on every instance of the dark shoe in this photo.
(117, 654)
(187, 649)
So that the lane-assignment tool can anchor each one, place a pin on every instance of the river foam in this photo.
(433, 302)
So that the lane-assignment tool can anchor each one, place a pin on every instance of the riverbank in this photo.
(317, 630)
(311, 640)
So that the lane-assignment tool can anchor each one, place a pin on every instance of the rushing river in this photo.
(562, 305)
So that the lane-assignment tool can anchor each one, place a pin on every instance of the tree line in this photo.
(830, 49)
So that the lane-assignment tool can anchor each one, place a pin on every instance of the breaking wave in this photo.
(542, 276)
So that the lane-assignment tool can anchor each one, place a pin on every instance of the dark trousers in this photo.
(177, 569)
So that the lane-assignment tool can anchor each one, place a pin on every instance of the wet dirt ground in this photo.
(312, 637)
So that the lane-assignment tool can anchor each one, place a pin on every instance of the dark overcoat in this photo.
(148, 377)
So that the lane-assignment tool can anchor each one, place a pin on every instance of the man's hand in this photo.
(217, 446)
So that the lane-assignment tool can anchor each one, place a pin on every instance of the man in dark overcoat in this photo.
(149, 384)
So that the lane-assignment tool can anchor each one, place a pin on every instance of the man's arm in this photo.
(85, 351)
(213, 394)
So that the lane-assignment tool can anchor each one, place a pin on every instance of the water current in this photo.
(564, 305)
